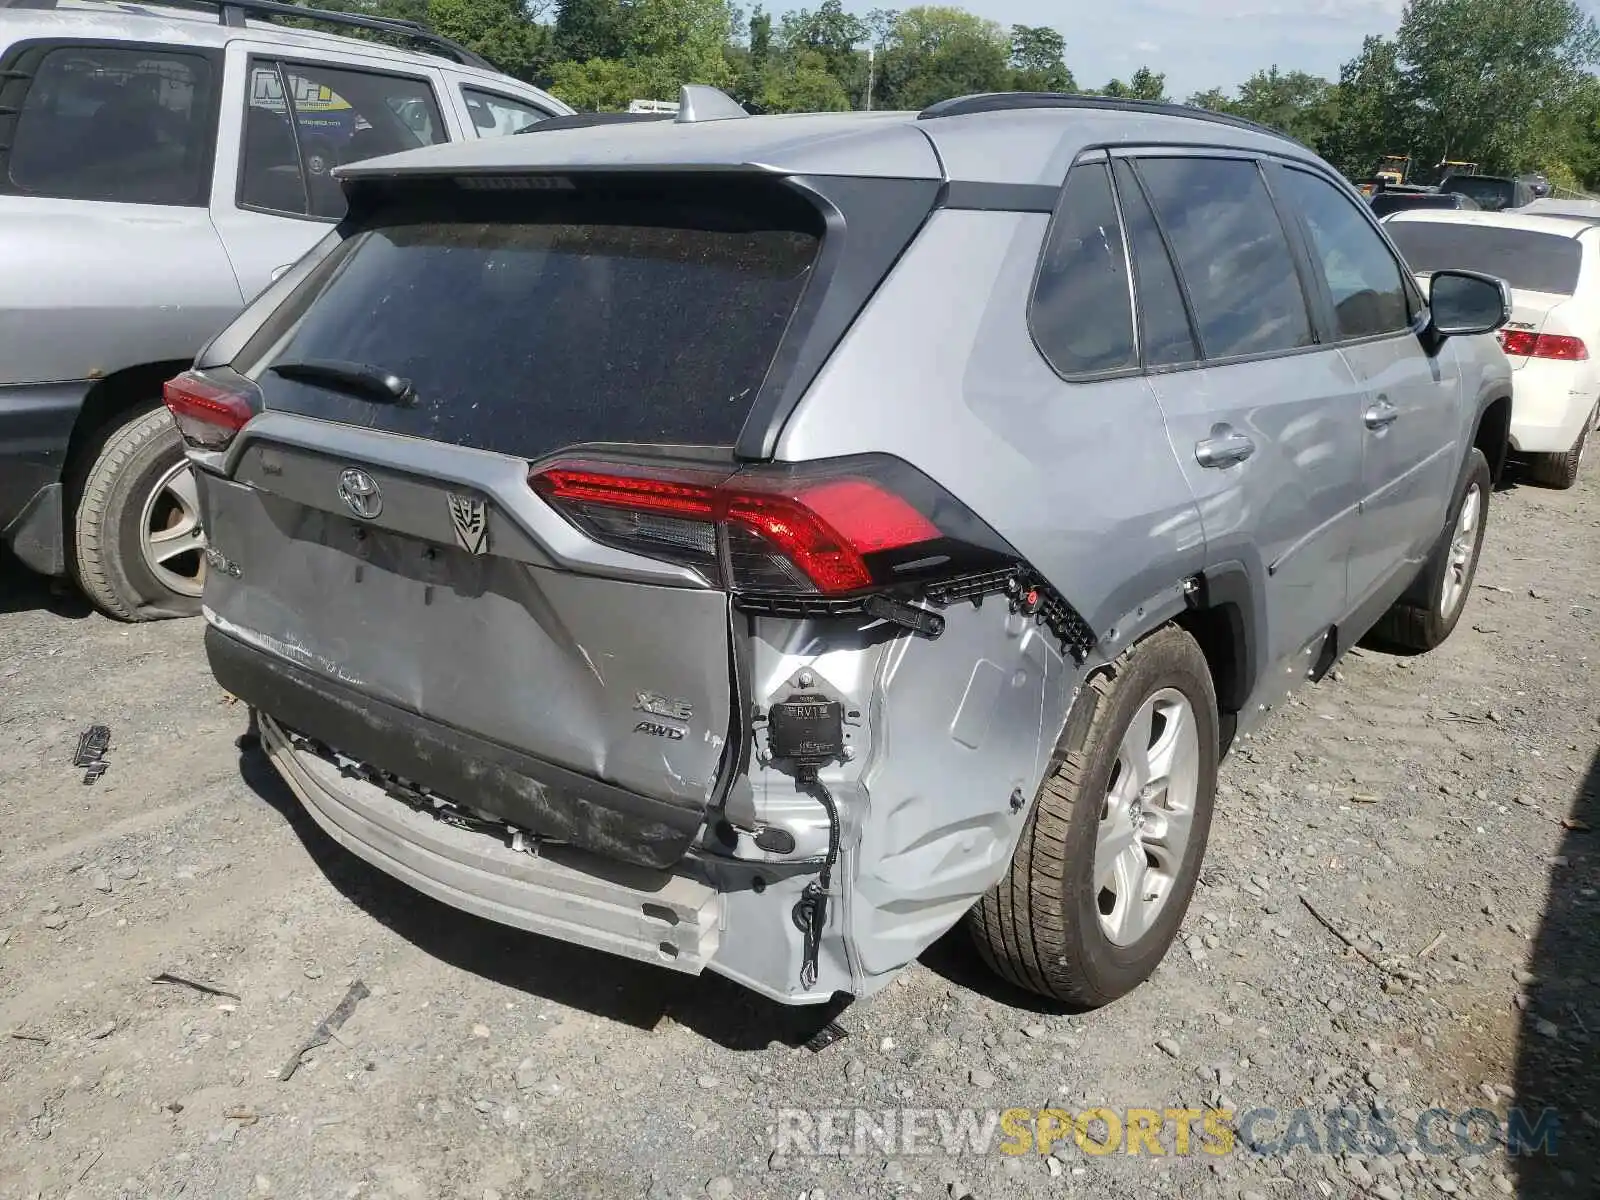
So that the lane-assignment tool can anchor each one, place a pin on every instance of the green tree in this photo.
(1298, 103)
(1566, 140)
(500, 30)
(689, 34)
(1144, 84)
(933, 53)
(1481, 72)
(1038, 60)
(751, 62)
(599, 85)
(760, 37)
(1374, 108)
(1214, 100)
(803, 84)
(590, 29)
(668, 43)
(829, 33)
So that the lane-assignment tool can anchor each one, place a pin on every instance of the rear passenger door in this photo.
(1257, 409)
(1408, 415)
(287, 123)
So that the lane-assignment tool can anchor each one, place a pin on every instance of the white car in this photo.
(1552, 262)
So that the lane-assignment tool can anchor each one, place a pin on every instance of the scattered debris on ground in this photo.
(326, 1029)
(206, 988)
(93, 743)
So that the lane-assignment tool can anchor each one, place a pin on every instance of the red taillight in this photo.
(208, 415)
(784, 532)
(1521, 343)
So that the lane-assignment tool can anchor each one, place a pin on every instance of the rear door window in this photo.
(1081, 311)
(303, 119)
(495, 116)
(125, 124)
(1366, 283)
(1232, 253)
(1527, 259)
(528, 321)
(1164, 329)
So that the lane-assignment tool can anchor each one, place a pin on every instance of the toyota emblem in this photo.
(360, 493)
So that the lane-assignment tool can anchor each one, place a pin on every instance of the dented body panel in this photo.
(545, 662)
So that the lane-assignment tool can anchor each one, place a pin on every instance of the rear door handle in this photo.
(279, 272)
(1381, 415)
(1225, 447)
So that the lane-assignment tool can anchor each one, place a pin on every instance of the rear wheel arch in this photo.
(1223, 618)
(108, 404)
(123, 449)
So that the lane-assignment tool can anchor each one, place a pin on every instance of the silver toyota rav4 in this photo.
(755, 544)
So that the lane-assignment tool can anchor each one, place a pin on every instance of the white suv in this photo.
(1552, 262)
(160, 165)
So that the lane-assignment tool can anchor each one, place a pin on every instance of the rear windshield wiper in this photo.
(371, 382)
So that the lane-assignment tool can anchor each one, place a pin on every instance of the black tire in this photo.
(1416, 622)
(1039, 927)
(1560, 470)
(108, 561)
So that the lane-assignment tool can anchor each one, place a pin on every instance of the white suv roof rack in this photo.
(234, 12)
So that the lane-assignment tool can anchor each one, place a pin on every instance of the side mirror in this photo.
(1465, 302)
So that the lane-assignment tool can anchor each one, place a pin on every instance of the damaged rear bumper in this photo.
(701, 911)
(535, 795)
(648, 916)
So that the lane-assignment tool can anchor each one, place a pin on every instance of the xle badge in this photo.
(663, 706)
(470, 518)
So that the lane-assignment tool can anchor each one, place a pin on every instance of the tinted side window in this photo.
(494, 116)
(1369, 295)
(1232, 253)
(302, 120)
(1163, 321)
(116, 123)
(1081, 315)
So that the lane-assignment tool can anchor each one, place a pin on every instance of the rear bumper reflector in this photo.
(649, 916)
(536, 796)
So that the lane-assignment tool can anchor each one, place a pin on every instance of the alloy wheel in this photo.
(1463, 545)
(1146, 817)
(171, 537)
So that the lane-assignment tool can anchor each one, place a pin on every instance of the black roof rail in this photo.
(234, 12)
(986, 102)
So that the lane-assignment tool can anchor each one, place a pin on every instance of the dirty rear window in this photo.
(1527, 260)
(528, 323)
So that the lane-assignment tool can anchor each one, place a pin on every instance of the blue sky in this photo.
(1198, 43)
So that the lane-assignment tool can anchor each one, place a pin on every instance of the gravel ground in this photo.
(1434, 811)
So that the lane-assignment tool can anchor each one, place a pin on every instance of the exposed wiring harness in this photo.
(811, 914)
